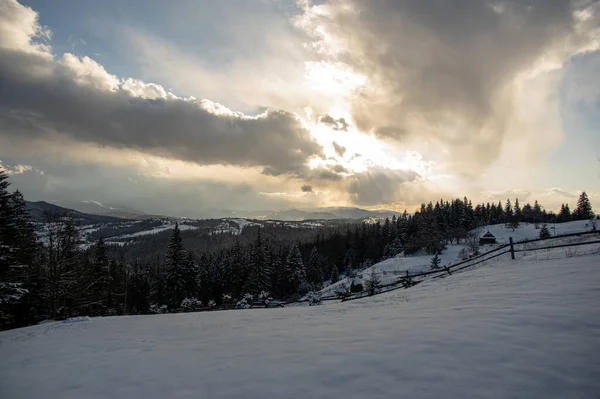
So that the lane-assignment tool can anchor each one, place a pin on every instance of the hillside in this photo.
(391, 269)
(38, 209)
(514, 329)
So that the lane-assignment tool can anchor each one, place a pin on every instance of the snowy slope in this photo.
(515, 329)
(527, 231)
(391, 269)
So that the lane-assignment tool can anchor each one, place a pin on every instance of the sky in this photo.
(186, 107)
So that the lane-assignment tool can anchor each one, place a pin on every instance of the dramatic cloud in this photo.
(306, 188)
(335, 124)
(453, 72)
(339, 150)
(380, 186)
(76, 99)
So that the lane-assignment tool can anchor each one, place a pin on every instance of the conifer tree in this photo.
(19, 271)
(279, 282)
(584, 208)
(192, 274)
(508, 212)
(239, 269)
(335, 274)
(544, 232)
(392, 249)
(435, 262)
(372, 283)
(175, 278)
(565, 213)
(314, 270)
(349, 271)
(59, 264)
(537, 214)
(99, 287)
(518, 212)
(259, 278)
(295, 271)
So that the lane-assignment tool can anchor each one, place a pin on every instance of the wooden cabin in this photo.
(487, 238)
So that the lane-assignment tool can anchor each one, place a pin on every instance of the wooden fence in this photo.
(409, 279)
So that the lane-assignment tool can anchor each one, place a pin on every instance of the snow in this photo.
(390, 270)
(527, 231)
(510, 329)
(156, 230)
(79, 319)
(243, 222)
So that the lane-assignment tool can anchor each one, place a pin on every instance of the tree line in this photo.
(47, 273)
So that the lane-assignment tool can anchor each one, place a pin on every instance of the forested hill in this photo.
(40, 210)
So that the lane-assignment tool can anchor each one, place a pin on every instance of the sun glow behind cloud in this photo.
(363, 151)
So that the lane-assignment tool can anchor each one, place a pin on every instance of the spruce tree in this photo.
(314, 270)
(508, 212)
(349, 271)
(259, 278)
(537, 214)
(565, 214)
(100, 280)
(19, 271)
(372, 283)
(295, 271)
(584, 208)
(175, 278)
(192, 274)
(518, 212)
(59, 259)
(435, 262)
(335, 274)
(392, 249)
(239, 269)
(544, 232)
(279, 282)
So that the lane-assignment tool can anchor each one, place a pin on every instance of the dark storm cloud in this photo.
(441, 65)
(306, 188)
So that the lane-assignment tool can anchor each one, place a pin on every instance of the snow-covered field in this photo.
(511, 329)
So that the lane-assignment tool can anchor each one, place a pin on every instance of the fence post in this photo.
(512, 248)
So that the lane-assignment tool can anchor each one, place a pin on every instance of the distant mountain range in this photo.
(94, 211)
(329, 213)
